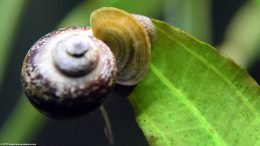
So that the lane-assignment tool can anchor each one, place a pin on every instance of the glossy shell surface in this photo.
(127, 39)
(58, 94)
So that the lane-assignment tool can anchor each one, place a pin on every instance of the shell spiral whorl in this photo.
(128, 40)
(75, 55)
(68, 72)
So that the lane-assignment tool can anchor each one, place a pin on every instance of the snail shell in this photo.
(68, 72)
(127, 39)
(147, 25)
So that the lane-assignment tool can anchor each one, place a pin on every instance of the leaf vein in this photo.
(175, 92)
(151, 121)
(217, 72)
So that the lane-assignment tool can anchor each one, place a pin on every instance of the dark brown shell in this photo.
(57, 94)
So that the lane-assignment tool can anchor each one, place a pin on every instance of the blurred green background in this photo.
(231, 25)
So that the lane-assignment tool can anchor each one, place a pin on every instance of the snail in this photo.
(69, 72)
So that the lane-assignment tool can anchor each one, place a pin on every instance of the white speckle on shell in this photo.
(44, 76)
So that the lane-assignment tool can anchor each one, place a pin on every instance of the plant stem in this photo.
(243, 35)
(191, 16)
(144, 7)
(22, 123)
(108, 128)
(10, 15)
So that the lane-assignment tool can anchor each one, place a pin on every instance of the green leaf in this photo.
(193, 95)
